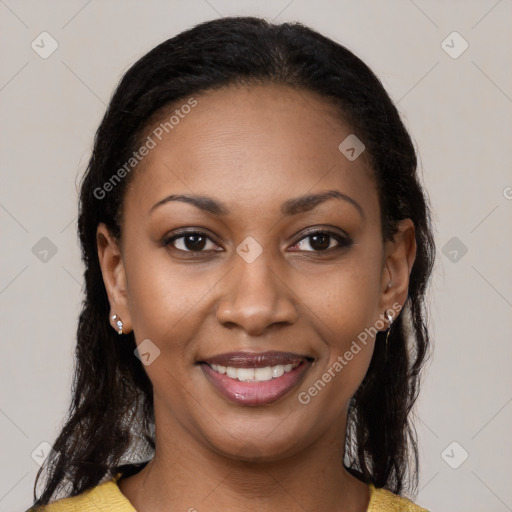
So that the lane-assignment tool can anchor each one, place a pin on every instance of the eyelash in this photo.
(343, 241)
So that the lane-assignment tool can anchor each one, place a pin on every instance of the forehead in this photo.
(251, 144)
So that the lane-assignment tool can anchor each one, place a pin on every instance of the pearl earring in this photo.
(119, 324)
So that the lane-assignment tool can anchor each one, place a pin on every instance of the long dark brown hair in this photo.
(111, 418)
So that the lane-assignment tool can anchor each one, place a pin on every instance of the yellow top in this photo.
(107, 497)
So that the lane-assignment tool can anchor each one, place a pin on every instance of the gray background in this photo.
(459, 112)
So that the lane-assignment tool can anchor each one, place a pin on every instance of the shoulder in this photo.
(382, 500)
(106, 497)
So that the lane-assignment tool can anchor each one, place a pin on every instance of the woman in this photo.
(257, 249)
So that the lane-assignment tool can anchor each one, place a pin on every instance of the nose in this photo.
(256, 297)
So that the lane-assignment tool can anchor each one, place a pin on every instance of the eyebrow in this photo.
(293, 206)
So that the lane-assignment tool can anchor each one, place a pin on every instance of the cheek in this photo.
(164, 307)
(347, 315)
(346, 301)
(160, 293)
(346, 309)
(163, 303)
(327, 395)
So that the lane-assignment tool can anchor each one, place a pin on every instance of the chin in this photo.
(257, 441)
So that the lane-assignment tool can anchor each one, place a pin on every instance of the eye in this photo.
(320, 241)
(192, 241)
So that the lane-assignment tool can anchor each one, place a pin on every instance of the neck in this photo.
(185, 474)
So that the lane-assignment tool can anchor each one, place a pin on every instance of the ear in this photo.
(114, 276)
(399, 256)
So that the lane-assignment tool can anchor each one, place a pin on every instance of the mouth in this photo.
(255, 379)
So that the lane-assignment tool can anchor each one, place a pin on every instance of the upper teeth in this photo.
(254, 374)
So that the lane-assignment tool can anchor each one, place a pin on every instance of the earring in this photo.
(119, 323)
(389, 318)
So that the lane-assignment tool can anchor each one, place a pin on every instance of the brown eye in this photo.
(190, 242)
(321, 241)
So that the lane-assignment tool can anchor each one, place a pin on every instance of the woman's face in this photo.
(249, 296)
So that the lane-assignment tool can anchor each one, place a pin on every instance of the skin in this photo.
(252, 148)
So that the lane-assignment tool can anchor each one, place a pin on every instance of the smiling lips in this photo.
(254, 379)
